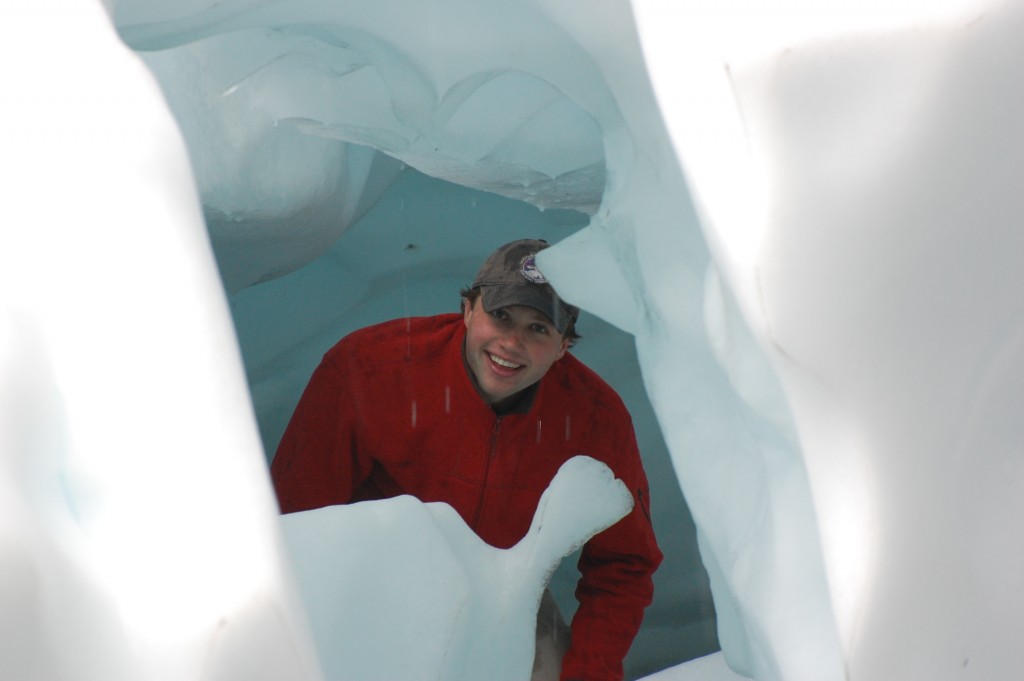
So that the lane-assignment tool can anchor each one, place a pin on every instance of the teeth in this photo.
(505, 363)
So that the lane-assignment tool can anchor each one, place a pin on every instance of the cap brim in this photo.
(540, 298)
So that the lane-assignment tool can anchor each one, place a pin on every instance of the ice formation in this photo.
(398, 589)
(830, 330)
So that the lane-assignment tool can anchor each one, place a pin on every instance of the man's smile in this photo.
(503, 362)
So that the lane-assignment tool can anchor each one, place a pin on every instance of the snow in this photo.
(794, 228)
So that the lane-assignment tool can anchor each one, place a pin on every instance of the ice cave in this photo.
(795, 232)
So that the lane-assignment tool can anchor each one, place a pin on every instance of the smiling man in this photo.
(480, 410)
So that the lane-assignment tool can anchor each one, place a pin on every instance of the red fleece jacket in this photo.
(391, 410)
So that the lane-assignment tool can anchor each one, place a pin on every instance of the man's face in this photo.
(510, 348)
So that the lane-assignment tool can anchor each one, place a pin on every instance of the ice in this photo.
(137, 533)
(283, 109)
(877, 153)
(424, 597)
(802, 228)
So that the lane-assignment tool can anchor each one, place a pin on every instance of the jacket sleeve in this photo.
(616, 568)
(317, 463)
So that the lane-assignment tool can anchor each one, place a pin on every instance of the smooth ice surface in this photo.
(399, 589)
(830, 330)
(138, 538)
(879, 268)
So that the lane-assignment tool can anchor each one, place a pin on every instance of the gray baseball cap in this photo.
(510, 276)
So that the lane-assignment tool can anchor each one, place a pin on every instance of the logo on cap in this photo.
(528, 268)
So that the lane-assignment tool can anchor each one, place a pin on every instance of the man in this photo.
(479, 410)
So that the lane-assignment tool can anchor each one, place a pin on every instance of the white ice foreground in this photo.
(398, 589)
(807, 217)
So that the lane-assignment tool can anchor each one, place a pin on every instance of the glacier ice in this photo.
(423, 597)
(137, 525)
(828, 329)
(877, 273)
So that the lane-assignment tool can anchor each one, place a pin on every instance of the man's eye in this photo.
(540, 328)
(500, 313)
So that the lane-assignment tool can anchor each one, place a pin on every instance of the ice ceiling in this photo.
(807, 219)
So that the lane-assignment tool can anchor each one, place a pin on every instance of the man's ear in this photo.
(467, 311)
(565, 346)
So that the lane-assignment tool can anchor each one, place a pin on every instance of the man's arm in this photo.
(317, 463)
(615, 587)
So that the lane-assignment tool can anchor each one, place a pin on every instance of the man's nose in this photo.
(513, 337)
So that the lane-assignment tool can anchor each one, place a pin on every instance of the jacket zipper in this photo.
(491, 451)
